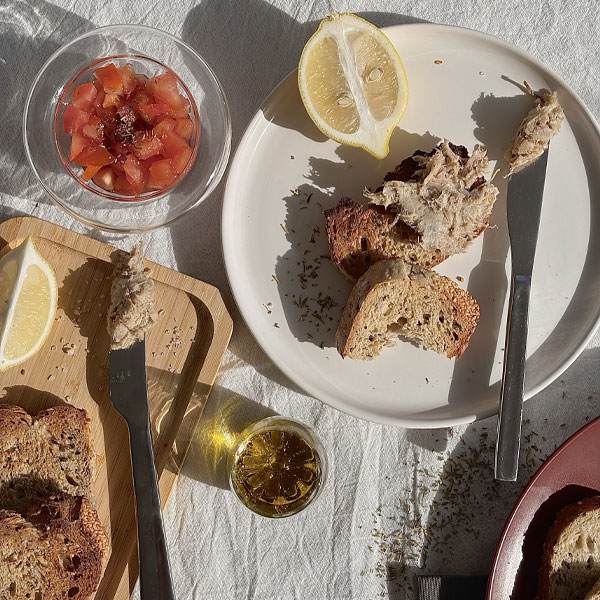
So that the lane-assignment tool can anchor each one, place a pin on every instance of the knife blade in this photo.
(524, 207)
(129, 395)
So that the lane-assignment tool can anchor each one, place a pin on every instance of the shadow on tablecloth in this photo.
(454, 524)
(226, 414)
(251, 46)
(29, 33)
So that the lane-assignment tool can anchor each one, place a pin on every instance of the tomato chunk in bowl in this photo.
(132, 134)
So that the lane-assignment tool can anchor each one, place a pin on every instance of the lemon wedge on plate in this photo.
(353, 83)
(28, 299)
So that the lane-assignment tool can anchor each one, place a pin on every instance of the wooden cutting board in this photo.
(184, 350)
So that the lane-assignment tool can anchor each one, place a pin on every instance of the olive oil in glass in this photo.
(278, 468)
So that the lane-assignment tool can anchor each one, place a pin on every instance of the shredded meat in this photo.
(447, 199)
(131, 313)
(540, 124)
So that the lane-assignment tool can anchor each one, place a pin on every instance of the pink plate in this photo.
(570, 474)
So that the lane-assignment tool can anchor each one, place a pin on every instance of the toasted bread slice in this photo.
(443, 195)
(360, 236)
(56, 552)
(51, 452)
(432, 205)
(397, 299)
(571, 555)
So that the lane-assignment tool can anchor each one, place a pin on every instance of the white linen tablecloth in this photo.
(397, 502)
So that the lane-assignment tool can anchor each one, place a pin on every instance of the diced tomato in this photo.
(128, 76)
(118, 165)
(123, 187)
(108, 116)
(110, 78)
(157, 109)
(184, 111)
(78, 143)
(162, 172)
(146, 164)
(121, 149)
(140, 109)
(142, 96)
(94, 129)
(185, 128)
(94, 155)
(181, 159)
(141, 100)
(166, 124)
(135, 174)
(105, 178)
(84, 96)
(151, 185)
(164, 88)
(112, 100)
(90, 172)
(147, 147)
(131, 133)
(74, 119)
(172, 143)
(99, 101)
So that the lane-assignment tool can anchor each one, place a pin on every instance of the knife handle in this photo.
(155, 575)
(513, 377)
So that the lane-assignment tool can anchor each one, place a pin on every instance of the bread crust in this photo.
(353, 324)
(64, 545)
(360, 236)
(50, 452)
(564, 519)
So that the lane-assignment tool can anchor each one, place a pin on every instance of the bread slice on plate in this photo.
(446, 198)
(359, 236)
(51, 452)
(56, 551)
(432, 205)
(395, 299)
(571, 555)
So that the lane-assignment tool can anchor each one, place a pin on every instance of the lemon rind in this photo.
(382, 150)
(29, 256)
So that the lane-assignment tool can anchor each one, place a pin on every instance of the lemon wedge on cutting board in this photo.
(28, 299)
(353, 83)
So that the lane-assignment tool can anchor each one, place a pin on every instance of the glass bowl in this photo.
(141, 65)
(282, 457)
(151, 52)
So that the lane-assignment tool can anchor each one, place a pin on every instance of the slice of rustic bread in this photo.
(359, 236)
(56, 552)
(571, 555)
(432, 205)
(447, 200)
(396, 299)
(48, 453)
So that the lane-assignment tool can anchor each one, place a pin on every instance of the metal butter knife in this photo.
(524, 206)
(129, 395)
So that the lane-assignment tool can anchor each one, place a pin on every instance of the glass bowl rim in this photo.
(222, 161)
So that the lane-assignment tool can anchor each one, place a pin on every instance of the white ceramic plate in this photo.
(268, 231)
